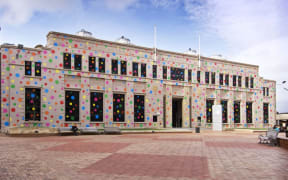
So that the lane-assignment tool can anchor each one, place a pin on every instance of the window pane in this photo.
(249, 112)
(267, 93)
(139, 108)
(189, 75)
(72, 105)
(32, 104)
(213, 77)
(164, 72)
(118, 107)
(154, 71)
(246, 82)
(143, 70)
(114, 66)
(266, 113)
(28, 68)
(37, 68)
(135, 69)
(78, 62)
(177, 74)
(209, 104)
(198, 76)
(252, 82)
(67, 60)
(227, 79)
(101, 65)
(236, 112)
(239, 81)
(207, 80)
(234, 80)
(154, 118)
(96, 106)
(224, 111)
(221, 79)
(123, 67)
(92, 64)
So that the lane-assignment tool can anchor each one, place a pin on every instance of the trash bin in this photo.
(197, 129)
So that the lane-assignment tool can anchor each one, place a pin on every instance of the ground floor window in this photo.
(96, 106)
(236, 112)
(139, 108)
(118, 107)
(266, 113)
(72, 105)
(224, 111)
(249, 112)
(32, 104)
(209, 104)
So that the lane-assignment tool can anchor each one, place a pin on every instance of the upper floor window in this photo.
(189, 75)
(154, 71)
(37, 68)
(213, 77)
(28, 68)
(164, 72)
(135, 69)
(123, 67)
(67, 60)
(101, 66)
(114, 66)
(251, 82)
(227, 79)
(221, 79)
(207, 80)
(92, 64)
(177, 74)
(198, 76)
(239, 81)
(234, 80)
(247, 82)
(265, 91)
(143, 70)
(77, 62)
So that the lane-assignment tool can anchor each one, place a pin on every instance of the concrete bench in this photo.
(112, 130)
(67, 130)
(88, 130)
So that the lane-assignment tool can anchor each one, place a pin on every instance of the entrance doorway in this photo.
(177, 112)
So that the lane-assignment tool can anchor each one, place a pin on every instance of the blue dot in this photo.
(32, 95)
(114, 54)
(60, 117)
(83, 107)
(6, 123)
(97, 116)
(72, 97)
(46, 90)
(17, 75)
(87, 125)
(150, 91)
(148, 118)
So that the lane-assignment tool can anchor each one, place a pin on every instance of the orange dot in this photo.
(19, 99)
(50, 79)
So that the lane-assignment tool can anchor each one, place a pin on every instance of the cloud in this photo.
(254, 31)
(120, 5)
(17, 12)
(164, 3)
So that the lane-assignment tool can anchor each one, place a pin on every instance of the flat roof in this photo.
(146, 48)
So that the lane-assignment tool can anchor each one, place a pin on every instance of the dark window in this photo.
(135, 69)
(37, 68)
(247, 82)
(227, 79)
(264, 91)
(32, 104)
(213, 77)
(114, 66)
(234, 80)
(118, 107)
(101, 65)
(249, 112)
(67, 60)
(92, 64)
(239, 81)
(224, 111)
(154, 118)
(77, 62)
(189, 75)
(177, 74)
(72, 105)
(209, 104)
(143, 70)
(198, 76)
(28, 68)
(252, 82)
(123, 67)
(221, 79)
(154, 71)
(236, 112)
(96, 106)
(139, 108)
(267, 91)
(207, 80)
(266, 113)
(164, 72)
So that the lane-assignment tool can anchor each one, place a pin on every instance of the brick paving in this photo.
(206, 155)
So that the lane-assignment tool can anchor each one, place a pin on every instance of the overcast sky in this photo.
(249, 31)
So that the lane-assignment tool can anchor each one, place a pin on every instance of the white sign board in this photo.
(217, 117)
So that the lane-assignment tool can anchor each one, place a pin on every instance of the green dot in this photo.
(106, 96)
(13, 86)
(50, 60)
(44, 105)
(7, 68)
(57, 82)
(70, 41)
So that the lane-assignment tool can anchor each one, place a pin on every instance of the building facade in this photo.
(96, 83)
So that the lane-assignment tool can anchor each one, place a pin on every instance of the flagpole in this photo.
(155, 43)
(199, 63)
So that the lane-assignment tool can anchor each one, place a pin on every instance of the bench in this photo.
(88, 130)
(67, 130)
(270, 137)
(112, 130)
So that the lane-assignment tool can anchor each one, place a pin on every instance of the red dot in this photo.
(75, 45)
(13, 109)
(52, 51)
(4, 56)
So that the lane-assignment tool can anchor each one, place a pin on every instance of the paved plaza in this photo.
(207, 155)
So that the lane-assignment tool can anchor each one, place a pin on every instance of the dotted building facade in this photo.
(96, 83)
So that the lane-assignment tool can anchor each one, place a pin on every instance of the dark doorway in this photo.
(177, 112)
